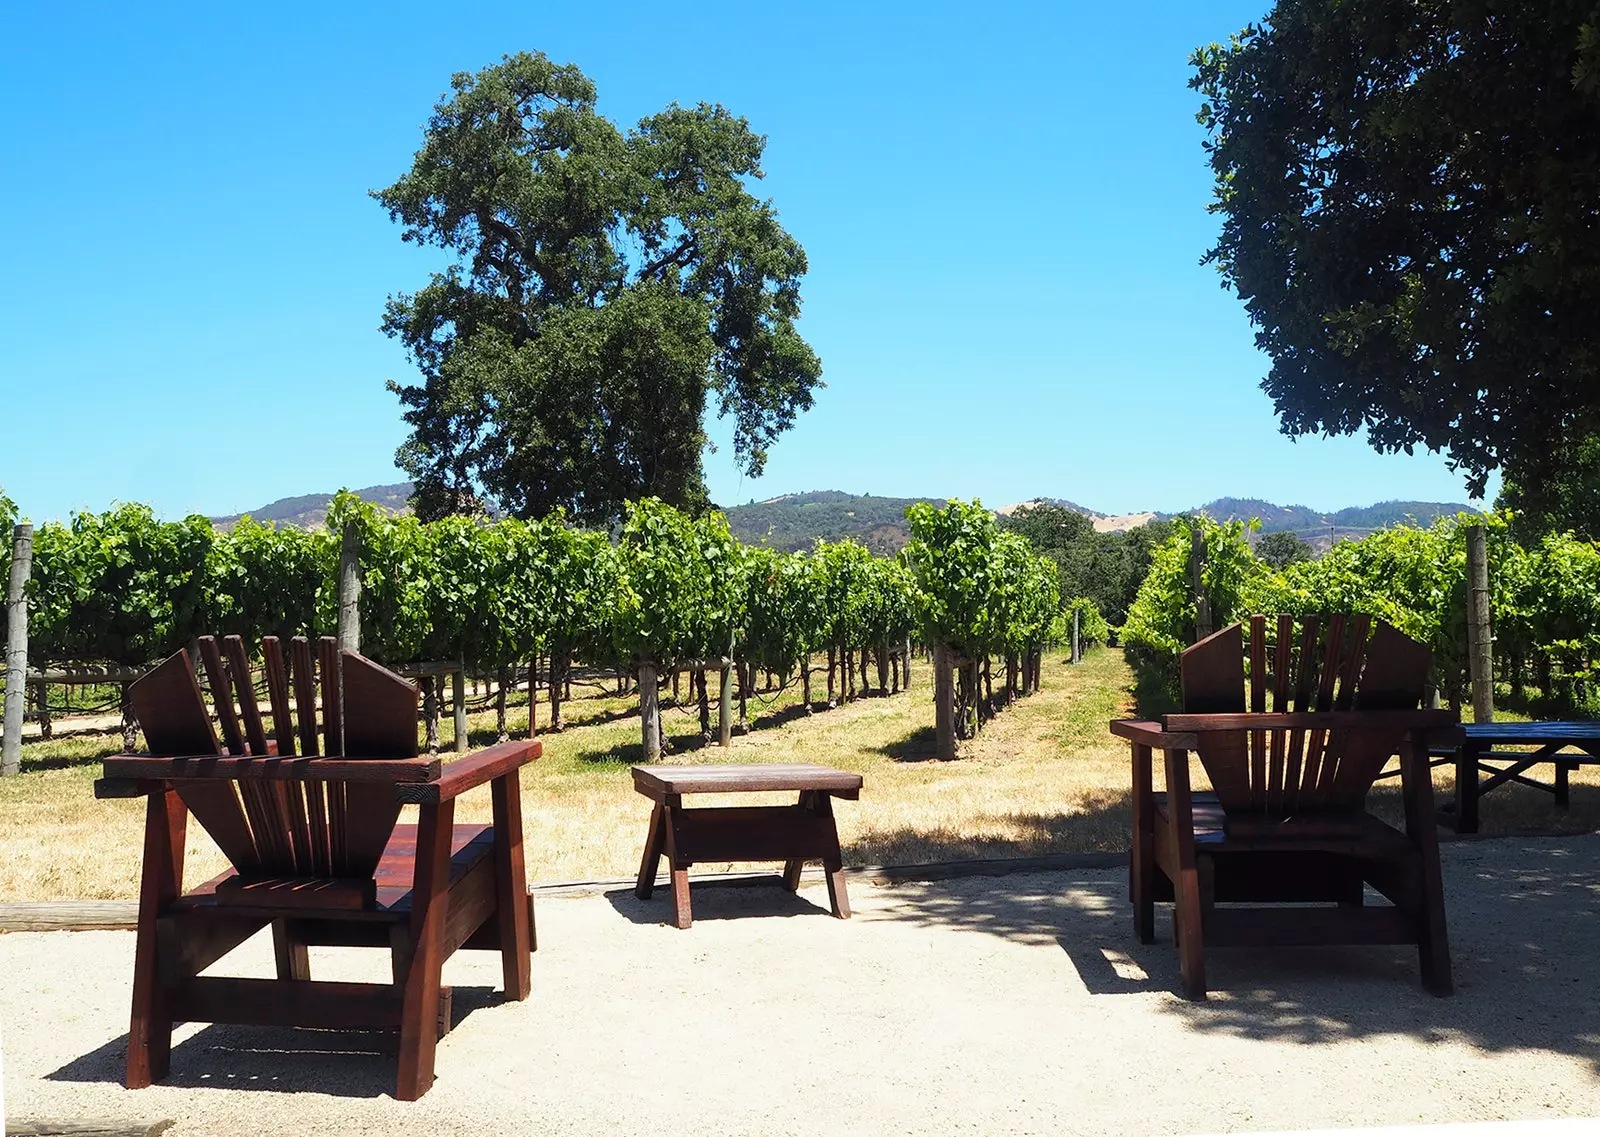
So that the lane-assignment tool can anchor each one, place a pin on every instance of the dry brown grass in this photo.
(1044, 777)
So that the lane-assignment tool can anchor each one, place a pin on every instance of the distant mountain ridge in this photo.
(793, 521)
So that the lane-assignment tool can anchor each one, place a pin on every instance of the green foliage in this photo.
(682, 592)
(265, 581)
(1282, 549)
(1092, 626)
(1105, 567)
(1407, 193)
(981, 590)
(397, 580)
(118, 586)
(606, 285)
(1161, 621)
(1562, 499)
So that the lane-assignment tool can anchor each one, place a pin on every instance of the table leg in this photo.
(1564, 768)
(1467, 787)
(833, 863)
(791, 868)
(654, 843)
(682, 916)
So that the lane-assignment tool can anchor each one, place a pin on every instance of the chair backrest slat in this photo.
(1258, 704)
(221, 695)
(268, 826)
(305, 693)
(1342, 663)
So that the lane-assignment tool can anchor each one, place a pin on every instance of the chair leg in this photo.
(160, 883)
(1141, 864)
(1433, 942)
(419, 1019)
(294, 962)
(511, 887)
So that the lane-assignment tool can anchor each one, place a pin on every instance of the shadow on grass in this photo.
(921, 745)
(1099, 823)
(342, 1063)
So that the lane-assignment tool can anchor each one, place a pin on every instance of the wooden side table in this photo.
(792, 834)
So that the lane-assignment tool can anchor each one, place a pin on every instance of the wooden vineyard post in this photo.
(650, 712)
(725, 705)
(1197, 580)
(458, 698)
(905, 666)
(805, 681)
(1480, 639)
(430, 711)
(16, 648)
(944, 704)
(350, 589)
(1077, 643)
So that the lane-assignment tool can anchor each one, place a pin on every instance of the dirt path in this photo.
(1013, 1004)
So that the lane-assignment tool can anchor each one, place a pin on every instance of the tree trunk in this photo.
(650, 712)
(741, 670)
(560, 663)
(831, 702)
(500, 703)
(944, 709)
(805, 681)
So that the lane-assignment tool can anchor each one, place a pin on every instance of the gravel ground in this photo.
(1014, 1004)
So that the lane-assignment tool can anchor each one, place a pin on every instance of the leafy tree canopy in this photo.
(606, 285)
(1282, 549)
(1410, 191)
(1566, 500)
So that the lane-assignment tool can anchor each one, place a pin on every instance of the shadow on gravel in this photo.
(743, 897)
(343, 1063)
(1524, 924)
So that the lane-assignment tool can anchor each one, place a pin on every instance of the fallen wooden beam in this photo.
(68, 916)
(87, 1128)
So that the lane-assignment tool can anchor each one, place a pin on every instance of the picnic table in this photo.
(792, 834)
(1555, 742)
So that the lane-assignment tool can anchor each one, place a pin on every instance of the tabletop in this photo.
(743, 778)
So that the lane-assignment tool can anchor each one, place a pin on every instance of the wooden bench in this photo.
(792, 834)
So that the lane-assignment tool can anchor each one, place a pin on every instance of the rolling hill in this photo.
(794, 521)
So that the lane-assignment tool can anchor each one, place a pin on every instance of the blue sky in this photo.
(1003, 206)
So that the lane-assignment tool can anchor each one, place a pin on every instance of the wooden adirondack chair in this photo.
(1286, 822)
(315, 851)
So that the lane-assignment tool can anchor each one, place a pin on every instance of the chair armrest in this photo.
(470, 772)
(1429, 721)
(1154, 735)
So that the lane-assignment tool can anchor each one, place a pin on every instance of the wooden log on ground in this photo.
(68, 915)
(77, 1128)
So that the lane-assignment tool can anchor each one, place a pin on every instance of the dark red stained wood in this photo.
(1212, 677)
(513, 908)
(332, 698)
(317, 856)
(245, 687)
(394, 770)
(307, 895)
(428, 917)
(1313, 842)
(380, 710)
(221, 695)
(1281, 681)
(150, 1026)
(305, 693)
(1258, 705)
(655, 844)
(472, 771)
(171, 709)
(370, 813)
(1153, 735)
(276, 672)
(215, 805)
(660, 781)
(277, 1002)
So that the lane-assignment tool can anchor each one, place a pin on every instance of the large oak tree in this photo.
(1410, 197)
(605, 285)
